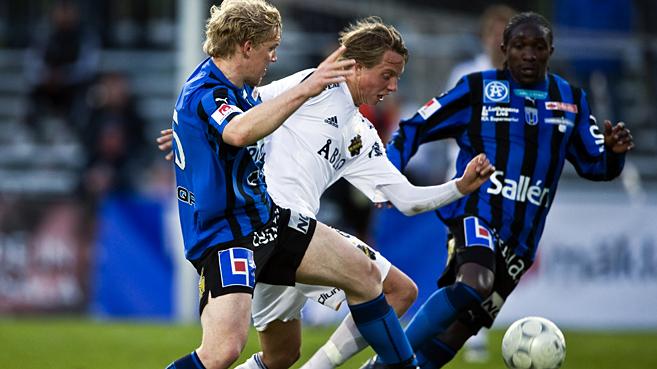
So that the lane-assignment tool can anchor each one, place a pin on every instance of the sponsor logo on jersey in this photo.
(493, 304)
(185, 195)
(201, 284)
(520, 190)
(236, 267)
(499, 114)
(331, 85)
(327, 295)
(558, 105)
(562, 122)
(223, 112)
(335, 158)
(332, 121)
(367, 250)
(515, 265)
(299, 222)
(355, 146)
(531, 94)
(375, 151)
(429, 108)
(531, 116)
(476, 234)
(496, 91)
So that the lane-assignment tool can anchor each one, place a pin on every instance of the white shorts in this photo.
(272, 302)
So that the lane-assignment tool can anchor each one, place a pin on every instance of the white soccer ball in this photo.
(533, 343)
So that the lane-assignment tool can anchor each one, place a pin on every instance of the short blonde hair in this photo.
(368, 39)
(238, 21)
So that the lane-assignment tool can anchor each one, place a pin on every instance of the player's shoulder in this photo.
(562, 82)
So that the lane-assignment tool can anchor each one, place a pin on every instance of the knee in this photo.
(400, 291)
(219, 357)
(479, 278)
(366, 278)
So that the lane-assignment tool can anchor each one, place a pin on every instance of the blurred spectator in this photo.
(59, 65)
(114, 138)
(492, 23)
(599, 73)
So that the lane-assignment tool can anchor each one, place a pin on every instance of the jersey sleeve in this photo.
(372, 169)
(218, 107)
(444, 116)
(586, 149)
(275, 88)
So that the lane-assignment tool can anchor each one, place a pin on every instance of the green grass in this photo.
(84, 344)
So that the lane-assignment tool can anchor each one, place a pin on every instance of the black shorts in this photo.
(473, 241)
(271, 255)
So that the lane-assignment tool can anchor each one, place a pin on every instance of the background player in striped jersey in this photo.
(326, 139)
(528, 122)
(234, 234)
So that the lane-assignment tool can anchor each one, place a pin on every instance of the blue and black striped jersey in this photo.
(526, 132)
(220, 188)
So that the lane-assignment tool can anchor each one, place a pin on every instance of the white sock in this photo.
(254, 362)
(344, 343)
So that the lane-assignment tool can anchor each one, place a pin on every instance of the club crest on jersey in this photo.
(236, 267)
(558, 105)
(355, 146)
(531, 116)
(496, 91)
(429, 108)
(476, 234)
(223, 112)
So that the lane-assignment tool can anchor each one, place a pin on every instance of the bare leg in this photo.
(225, 322)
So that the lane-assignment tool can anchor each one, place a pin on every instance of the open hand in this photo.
(331, 70)
(618, 138)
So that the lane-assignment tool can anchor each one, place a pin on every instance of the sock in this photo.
(344, 343)
(439, 311)
(254, 362)
(378, 324)
(434, 354)
(190, 361)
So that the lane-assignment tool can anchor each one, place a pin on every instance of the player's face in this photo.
(527, 53)
(261, 56)
(379, 81)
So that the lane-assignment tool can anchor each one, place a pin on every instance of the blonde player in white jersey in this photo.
(323, 141)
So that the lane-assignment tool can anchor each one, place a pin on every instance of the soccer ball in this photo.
(533, 343)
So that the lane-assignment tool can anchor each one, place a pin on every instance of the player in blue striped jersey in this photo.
(528, 122)
(234, 234)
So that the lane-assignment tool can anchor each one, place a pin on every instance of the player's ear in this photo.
(246, 48)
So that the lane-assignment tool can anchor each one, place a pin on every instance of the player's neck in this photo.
(354, 90)
(231, 70)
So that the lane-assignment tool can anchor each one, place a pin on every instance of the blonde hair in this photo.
(368, 39)
(238, 21)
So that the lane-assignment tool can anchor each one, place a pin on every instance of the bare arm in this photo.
(260, 121)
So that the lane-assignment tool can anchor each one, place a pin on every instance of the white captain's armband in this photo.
(223, 112)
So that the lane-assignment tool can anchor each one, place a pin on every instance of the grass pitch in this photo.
(85, 344)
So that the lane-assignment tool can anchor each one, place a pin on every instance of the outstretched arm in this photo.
(411, 200)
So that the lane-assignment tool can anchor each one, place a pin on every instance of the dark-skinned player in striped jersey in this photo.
(528, 122)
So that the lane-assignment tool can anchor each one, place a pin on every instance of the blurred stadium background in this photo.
(91, 266)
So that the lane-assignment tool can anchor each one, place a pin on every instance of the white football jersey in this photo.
(324, 140)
